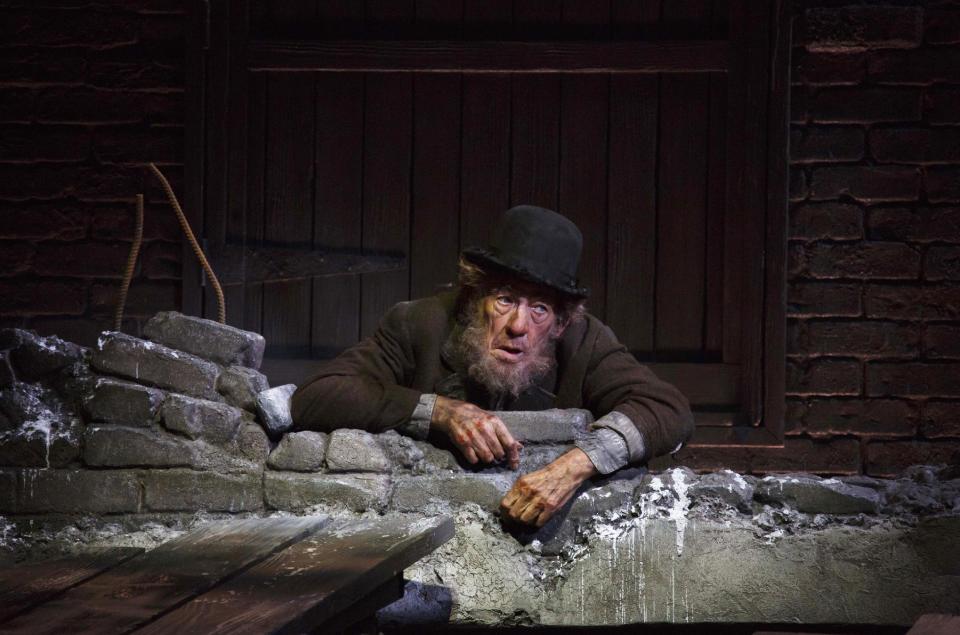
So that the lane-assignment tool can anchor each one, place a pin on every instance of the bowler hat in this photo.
(536, 244)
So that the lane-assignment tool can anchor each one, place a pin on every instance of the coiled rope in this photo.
(187, 231)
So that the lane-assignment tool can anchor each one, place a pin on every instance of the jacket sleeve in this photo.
(615, 382)
(364, 387)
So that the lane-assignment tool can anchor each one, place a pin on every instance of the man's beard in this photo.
(496, 376)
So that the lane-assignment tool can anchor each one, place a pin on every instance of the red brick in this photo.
(866, 183)
(860, 338)
(793, 419)
(69, 28)
(29, 219)
(117, 221)
(943, 105)
(942, 184)
(833, 456)
(798, 184)
(891, 458)
(942, 26)
(921, 66)
(26, 296)
(133, 75)
(826, 144)
(798, 104)
(162, 261)
(942, 262)
(927, 302)
(809, 299)
(865, 105)
(863, 27)
(923, 224)
(41, 66)
(796, 260)
(15, 257)
(942, 341)
(820, 376)
(144, 299)
(154, 191)
(32, 142)
(81, 104)
(916, 145)
(941, 419)
(44, 181)
(81, 259)
(160, 144)
(869, 260)
(17, 104)
(829, 68)
(832, 220)
(913, 379)
(860, 417)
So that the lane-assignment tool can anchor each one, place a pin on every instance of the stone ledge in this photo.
(78, 491)
(123, 402)
(187, 490)
(220, 343)
(292, 491)
(416, 493)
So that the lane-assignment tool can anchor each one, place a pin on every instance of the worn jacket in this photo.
(376, 384)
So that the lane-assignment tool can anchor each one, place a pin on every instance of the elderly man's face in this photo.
(519, 321)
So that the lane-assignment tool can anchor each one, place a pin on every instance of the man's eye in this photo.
(540, 310)
(504, 300)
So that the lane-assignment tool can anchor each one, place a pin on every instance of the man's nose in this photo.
(519, 321)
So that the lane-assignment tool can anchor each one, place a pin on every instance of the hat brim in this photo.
(481, 256)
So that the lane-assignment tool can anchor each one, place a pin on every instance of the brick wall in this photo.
(874, 254)
(92, 90)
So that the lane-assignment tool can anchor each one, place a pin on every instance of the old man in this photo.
(513, 336)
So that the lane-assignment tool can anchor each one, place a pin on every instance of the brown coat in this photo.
(376, 384)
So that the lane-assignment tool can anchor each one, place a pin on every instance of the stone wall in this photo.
(92, 90)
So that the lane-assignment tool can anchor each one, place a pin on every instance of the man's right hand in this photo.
(478, 434)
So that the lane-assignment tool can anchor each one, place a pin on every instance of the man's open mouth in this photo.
(508, 353)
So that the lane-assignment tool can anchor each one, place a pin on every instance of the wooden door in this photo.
(391, 134)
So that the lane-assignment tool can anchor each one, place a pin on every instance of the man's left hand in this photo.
(537, 496)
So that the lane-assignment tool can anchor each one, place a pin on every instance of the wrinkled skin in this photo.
(479, 435)
(537, 496)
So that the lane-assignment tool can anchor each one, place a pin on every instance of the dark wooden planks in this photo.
(311, 581)
(256, 132)
(535, 168)
(338, 206)
(27, 585)
(288, 213)
(489, 56)
(140, 589)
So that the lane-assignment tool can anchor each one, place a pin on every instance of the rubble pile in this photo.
(143, 433)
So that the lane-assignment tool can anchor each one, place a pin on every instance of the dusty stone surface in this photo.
(402, 452)
(817, 495)
(201, 419)
(273, 408)
(7, 376)
(208, 339)
(38, 430)
(726, 486)
(240, 386)
(546, 426)
(295, 491)
(417, 493)
(156, 365)
(8, 491)
(77, 491)
(123, 402)
(356, 451)
(35, 357)
(299, 452)
(188, 490)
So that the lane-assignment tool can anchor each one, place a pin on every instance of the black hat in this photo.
(536, 244)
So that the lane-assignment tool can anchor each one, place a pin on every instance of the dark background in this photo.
(93, 90)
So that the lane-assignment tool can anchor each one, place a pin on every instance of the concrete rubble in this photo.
(140, 439)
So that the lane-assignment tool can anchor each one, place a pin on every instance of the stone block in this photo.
(201, 419)
(188, 490)
(273, 407)
(436, 459)
(726, 486)
(38, 431)
(240, 386)
(8, 491)
(356, 451)
(251, 442)
(401, 451)
(211, 340)
(295, 492)
(123, 402)
(7, 376)
(815, 495)
(546, 426)
(299, 452)
(35, 357)
(416, 493)
(150, 363)
(78, 491)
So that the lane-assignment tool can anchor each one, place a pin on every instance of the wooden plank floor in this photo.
(269, 575)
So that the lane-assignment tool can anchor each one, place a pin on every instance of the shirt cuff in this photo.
(622, 424)
(418, 426)
(606, 449)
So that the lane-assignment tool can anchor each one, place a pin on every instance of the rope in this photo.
(131, 264)
(198, 252)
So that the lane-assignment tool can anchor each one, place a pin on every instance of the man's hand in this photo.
(478, 434)
(537, 496)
